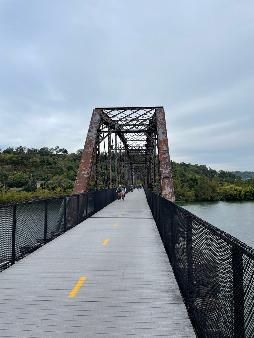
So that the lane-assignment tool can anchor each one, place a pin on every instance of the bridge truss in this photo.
(126, 145)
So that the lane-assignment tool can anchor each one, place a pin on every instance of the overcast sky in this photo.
(61, 58)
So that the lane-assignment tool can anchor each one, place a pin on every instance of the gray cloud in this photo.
(59, 59)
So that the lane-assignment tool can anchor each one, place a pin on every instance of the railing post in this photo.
(107, 197)
(14, 226)
(238, 292)
(189, 259)
(86, 204)
(165, 217)
(65, 211)
(104, 198)
(173, 237)
(45, 220)
(158, 219)
(94, 202)
(77, 209)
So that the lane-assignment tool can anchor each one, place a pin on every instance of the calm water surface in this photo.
(236, 218)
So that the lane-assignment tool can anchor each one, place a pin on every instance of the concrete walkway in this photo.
(128, 285)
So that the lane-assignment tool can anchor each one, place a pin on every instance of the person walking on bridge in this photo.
(121, 191)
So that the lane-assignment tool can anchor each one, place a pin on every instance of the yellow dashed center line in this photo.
(77, 286)
(105, 242)
(115, 225)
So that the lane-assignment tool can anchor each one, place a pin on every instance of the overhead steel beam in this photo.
(130, 108)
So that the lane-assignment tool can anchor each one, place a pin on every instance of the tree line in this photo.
(27, 173)
(200, 183)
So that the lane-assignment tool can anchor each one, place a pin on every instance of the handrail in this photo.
(26, 226)
(214, 271)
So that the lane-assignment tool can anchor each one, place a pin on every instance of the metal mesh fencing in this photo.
(55, 218)
(29, 227)
(90, 209)
(24, 227)
(214, 271)
(6, 216)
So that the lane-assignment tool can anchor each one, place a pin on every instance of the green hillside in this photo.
(200, 183)
(31, 173)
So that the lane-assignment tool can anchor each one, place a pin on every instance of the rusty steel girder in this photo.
(126, 145)
(84, 171)
(167, 188)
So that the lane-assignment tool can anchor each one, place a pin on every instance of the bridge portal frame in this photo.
(141, 131)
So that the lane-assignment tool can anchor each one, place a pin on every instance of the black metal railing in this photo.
(24, 227)
(214, 271)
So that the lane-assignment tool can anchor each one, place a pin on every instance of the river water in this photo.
(236, 218)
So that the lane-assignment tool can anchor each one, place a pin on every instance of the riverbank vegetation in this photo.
(36, 173)
(47, 172)
(200, 183)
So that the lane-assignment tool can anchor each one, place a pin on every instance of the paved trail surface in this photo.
(108, 276)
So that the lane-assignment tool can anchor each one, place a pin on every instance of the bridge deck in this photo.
(130, 288)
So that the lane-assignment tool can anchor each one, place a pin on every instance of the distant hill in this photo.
(245, 175)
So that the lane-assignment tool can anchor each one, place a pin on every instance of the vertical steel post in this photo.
(45, 220)
(173, 236)
(149, 162)
(132, 174)
(126, 181)
(94, 202)
(146, 172)
(116, 169)
(189, 260)
(120, 164)
(238, 292)
(154, 168)
(77, 209)
(96, 164)
(86, 204)
(109, 159)
(150, 168)
(65, 211)
(14, 226)
(158, 171)
(103, 178)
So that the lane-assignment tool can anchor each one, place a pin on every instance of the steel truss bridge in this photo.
(144, 267)
(126, 145)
